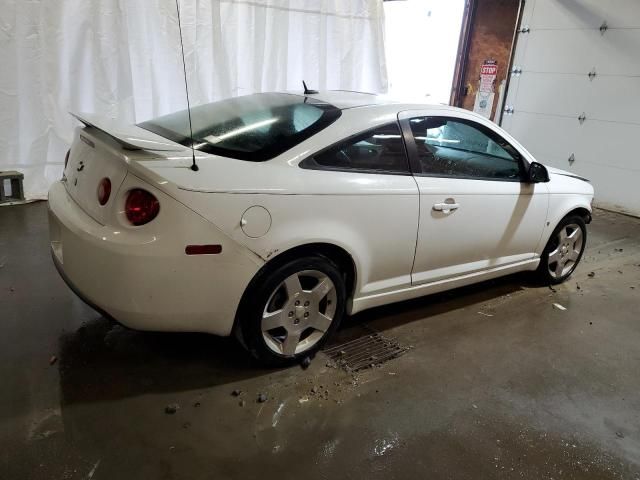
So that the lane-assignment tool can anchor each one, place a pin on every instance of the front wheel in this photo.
(563, 251)
(292, 309)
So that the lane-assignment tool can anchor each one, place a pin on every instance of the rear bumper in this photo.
(75, 289)
(141, 277)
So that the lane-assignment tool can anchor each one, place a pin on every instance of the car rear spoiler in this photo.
(131, 137)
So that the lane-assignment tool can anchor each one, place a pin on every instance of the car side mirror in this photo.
(538, 173)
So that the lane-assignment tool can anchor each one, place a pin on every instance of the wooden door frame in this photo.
(464, 44)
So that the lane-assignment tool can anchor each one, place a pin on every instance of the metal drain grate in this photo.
(364, 352)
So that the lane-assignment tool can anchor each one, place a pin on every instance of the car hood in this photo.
(557, 171)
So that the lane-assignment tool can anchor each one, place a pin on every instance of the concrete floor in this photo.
(499, 383)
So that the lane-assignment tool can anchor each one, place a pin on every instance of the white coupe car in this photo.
(298, 209)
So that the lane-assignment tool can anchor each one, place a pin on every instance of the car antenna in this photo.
(194, 165)
(306, 90)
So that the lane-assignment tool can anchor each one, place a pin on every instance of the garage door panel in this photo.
(554, 94)
(546, 137)
(604, 152)
(507, 122)
(624, 198)
(564, 44)
(583, 14)
(609, 143)
(612, 98)
(578, 51)
(514, 86)
(528, 13)
(521, 51)
(554, 139)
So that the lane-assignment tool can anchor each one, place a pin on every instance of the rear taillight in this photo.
(104, 191)
(141, 207)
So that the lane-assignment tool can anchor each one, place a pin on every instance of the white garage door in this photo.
(587, 124)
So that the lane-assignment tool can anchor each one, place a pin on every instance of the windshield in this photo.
(253, 127)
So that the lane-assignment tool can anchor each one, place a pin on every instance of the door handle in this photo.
(446, 207)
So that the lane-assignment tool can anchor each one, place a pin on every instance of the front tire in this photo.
(563, 251)
(289, 311)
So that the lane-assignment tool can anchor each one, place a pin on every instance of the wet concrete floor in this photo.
(500, 383)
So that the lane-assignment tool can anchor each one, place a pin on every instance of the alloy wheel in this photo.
(566, 251)
(299, 312)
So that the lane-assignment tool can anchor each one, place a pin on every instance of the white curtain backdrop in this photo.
(122, 58)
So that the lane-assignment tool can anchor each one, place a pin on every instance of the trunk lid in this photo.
(92, 159)
(104, 149)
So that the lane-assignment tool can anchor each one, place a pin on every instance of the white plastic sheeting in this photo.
(122, 58)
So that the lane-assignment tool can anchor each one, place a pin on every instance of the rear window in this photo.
(253, 127)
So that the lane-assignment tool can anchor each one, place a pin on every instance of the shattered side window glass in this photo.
(459, 148)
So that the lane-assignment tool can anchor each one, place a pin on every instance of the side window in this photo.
(376, 151)
(454, 147)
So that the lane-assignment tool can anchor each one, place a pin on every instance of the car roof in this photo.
(344, 99)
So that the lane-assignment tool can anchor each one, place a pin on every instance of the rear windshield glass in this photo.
(253, 127)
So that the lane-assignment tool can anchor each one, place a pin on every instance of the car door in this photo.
(372, 199)
(477, 211)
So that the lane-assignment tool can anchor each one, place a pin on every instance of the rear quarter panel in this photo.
(372, 217)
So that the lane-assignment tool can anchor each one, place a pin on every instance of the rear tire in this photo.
(290, 310)
(564, 250)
